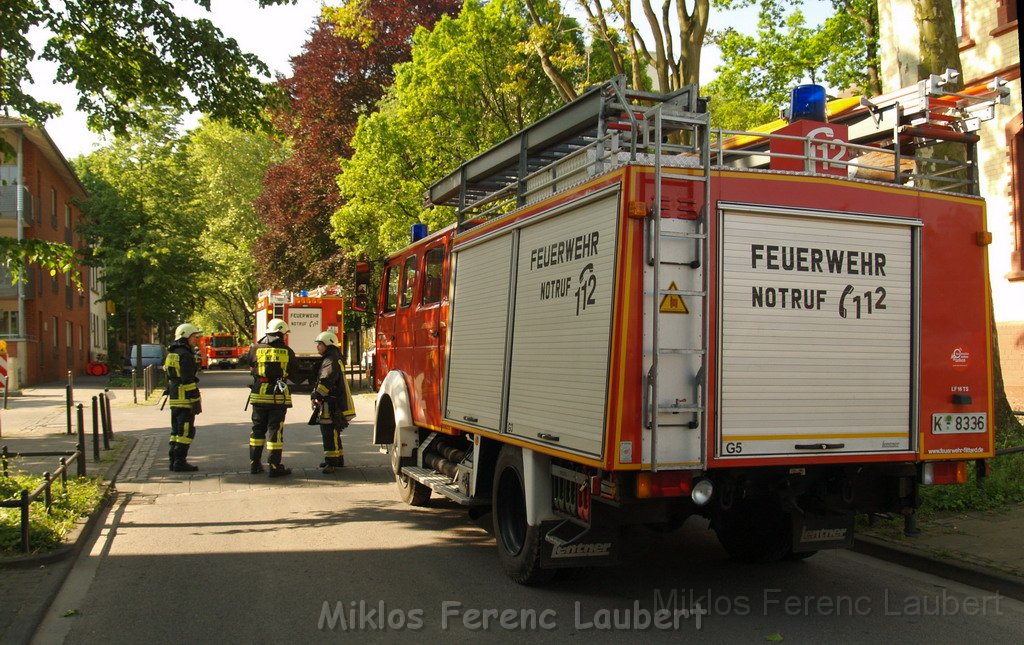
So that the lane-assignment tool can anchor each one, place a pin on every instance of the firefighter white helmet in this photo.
(185, 330)
(327, 338)
(277, 326)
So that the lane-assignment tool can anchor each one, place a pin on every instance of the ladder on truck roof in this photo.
(587, 137)
(606, 127)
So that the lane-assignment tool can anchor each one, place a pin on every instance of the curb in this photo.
(963, 572)
(82, 528)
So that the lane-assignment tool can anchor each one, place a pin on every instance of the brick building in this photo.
(988, 39)
(45, 319)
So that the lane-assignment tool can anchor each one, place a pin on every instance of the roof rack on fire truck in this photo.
(888, 138)
(607, 126)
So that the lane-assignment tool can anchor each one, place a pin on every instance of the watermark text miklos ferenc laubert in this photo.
(667, 610)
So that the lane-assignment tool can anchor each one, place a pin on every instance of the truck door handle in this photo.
(819, 446)
(435, 334)
(547, 437)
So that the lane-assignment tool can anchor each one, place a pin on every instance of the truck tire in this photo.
(519, 544)
(411, 491)
(755, 530)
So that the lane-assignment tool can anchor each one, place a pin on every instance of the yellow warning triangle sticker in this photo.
(673, 303)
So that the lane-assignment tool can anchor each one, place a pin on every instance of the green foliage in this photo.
(46, 530)
(139, 220)
(1003, 487)
(53, 257)
(469, 85)
(759, 70)
(227, 165)
(124, 56)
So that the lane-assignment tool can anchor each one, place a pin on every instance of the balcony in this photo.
(9, 209)
(9, 289)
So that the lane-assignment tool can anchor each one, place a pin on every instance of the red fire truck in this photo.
(307, 313)
(219, 350)
(636, 320)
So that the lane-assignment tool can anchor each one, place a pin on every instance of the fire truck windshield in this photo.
(222, 341)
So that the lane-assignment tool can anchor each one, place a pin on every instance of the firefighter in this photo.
(271, 361)
(332, 397)
(183, 395)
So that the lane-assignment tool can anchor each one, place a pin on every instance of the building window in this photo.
(53, 208)
(42, 329)
(9, 322)
(103, 335)
(81, 344)
(1006, 11)
(960, 20)
(53, 320)
(1015, 152)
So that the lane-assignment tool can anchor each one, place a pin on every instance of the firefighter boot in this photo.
(170, 456)
(181, 464)
(255, 457)
(276, 468)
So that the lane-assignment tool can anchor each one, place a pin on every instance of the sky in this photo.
(275, 34)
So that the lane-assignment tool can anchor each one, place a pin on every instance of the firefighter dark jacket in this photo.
(272, 362)
(331, 384)
(182, 384)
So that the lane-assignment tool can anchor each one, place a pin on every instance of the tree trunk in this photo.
(939, 51)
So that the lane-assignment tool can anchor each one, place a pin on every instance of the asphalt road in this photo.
(233, 557)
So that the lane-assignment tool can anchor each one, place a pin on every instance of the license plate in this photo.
(963, 423)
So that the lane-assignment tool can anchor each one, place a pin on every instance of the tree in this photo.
(938, 52)
(758, 70)
(139, 225)
(227, 166)
(680, 24)
(340, 74)
(123, 57)
(469, 85)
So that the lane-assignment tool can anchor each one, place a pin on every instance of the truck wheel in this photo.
(411, 491)
(755, 530)
(519, 544)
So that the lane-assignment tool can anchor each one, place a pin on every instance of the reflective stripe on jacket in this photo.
(180, 366)
(332, 385)
(271, 362)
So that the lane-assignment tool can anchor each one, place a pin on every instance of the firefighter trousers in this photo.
(267, 431)
(183, 429)
(334, 454)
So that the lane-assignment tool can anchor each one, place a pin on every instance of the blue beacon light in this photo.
(807, 102)
(419, 231)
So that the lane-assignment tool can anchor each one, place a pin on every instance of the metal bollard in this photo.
(110, 418)
(64, 473)
(3, 457)
(47, 495)
(103, 420)
(95, 433)
(69, 398)
(24, 521)
(81, 441)
(135, 393)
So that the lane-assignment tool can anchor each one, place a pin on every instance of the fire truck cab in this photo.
(635, 320)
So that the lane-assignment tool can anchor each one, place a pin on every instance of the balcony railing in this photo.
(9, 203)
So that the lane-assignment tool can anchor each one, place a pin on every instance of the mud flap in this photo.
(566, 544)
(815, 532)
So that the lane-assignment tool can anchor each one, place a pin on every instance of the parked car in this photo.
(151, 355)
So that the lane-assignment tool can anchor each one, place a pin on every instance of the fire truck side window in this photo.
(392, 302)
(433, 265)
(408, 280)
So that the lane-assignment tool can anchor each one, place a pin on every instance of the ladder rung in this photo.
(679, 235)
(680, 408)
(681, 292)
(670, 350)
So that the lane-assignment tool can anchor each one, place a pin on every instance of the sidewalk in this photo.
(36, 421)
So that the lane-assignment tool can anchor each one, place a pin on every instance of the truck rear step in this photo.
(443, 485)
